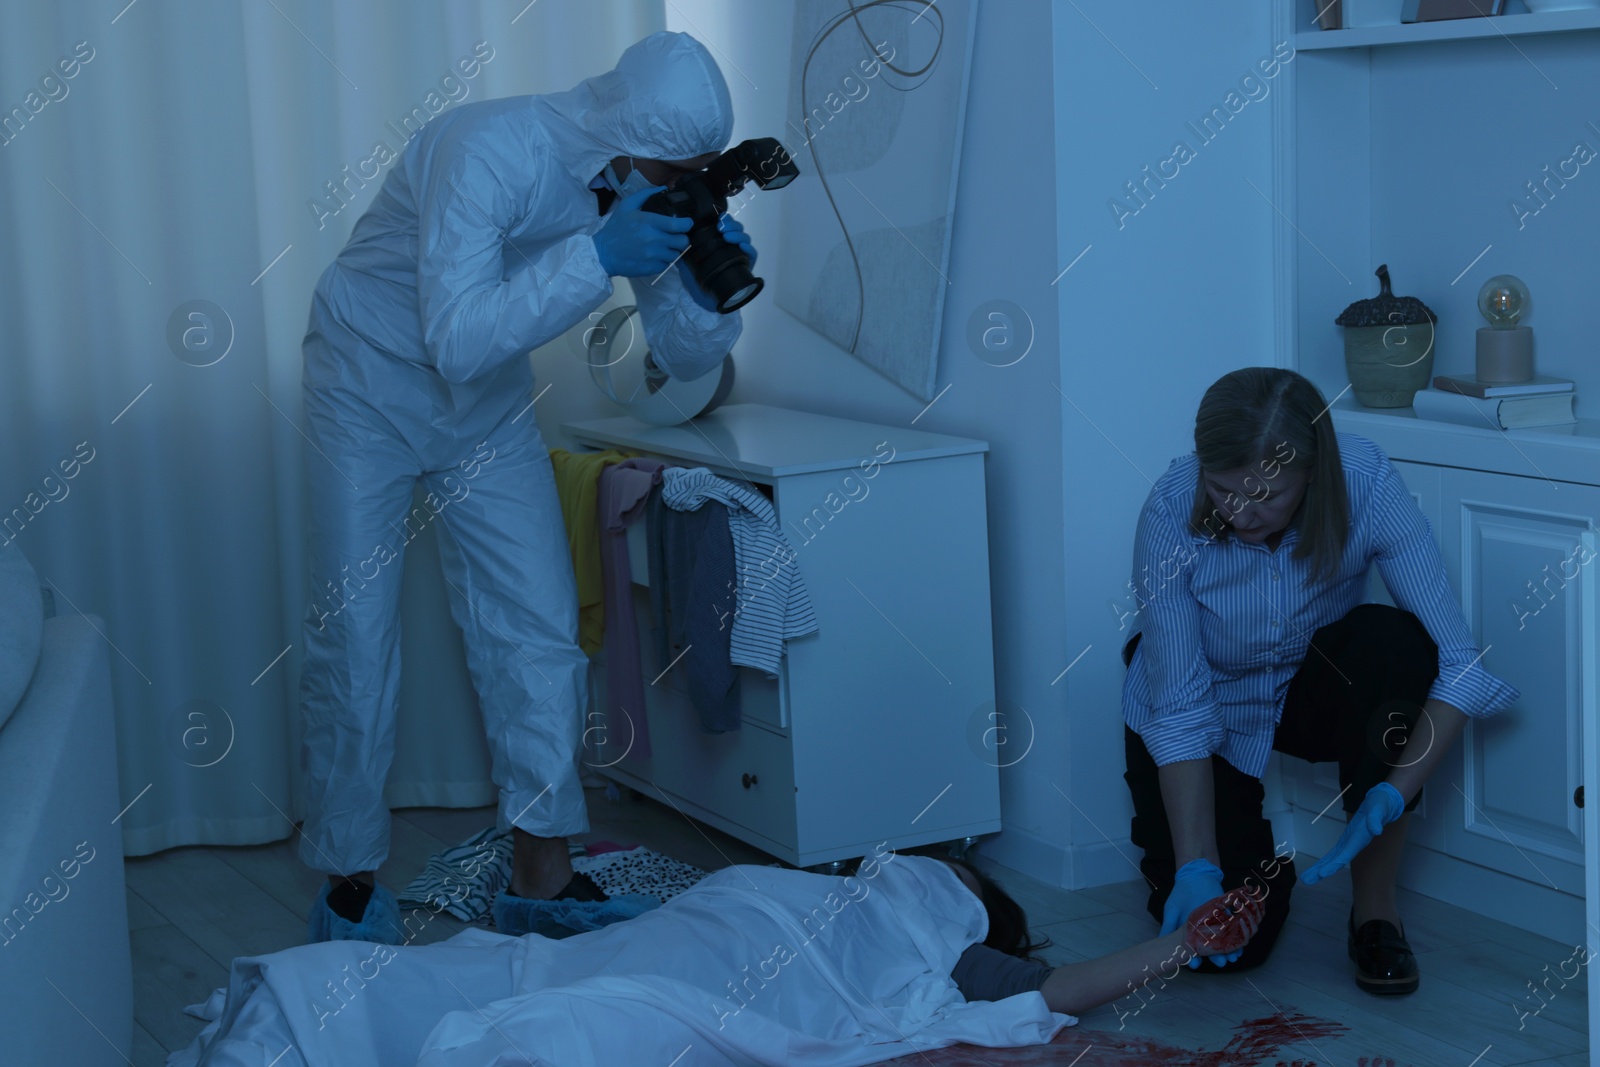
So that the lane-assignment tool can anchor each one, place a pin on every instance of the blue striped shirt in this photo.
(1227, 623)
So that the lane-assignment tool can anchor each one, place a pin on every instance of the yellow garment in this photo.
(578, 488)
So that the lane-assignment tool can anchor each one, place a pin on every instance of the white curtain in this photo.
(167, 152)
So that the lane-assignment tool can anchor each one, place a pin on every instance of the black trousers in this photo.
(1356, 699)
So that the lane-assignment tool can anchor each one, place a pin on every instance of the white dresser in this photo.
(879, 726)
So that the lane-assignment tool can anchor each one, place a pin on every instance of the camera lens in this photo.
(740, 298)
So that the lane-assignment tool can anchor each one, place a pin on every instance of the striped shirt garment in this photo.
(1228, 623)
(463, 881)
(773, 603)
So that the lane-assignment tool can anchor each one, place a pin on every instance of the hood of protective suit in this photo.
(665, 99)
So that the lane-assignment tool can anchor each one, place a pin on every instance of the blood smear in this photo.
(1255, 1041)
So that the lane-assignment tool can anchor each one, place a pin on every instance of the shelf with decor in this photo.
(1450, 162)
(1497, 26)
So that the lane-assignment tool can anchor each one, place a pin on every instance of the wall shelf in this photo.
(1451, 30)
(1569, 453)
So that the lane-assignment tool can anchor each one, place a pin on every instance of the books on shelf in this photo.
(1496, 412)
(1441, 10)
(1539, 383)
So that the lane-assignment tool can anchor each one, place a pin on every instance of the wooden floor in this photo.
(192, 910)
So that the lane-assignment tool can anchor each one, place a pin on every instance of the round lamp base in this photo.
(1505, 356)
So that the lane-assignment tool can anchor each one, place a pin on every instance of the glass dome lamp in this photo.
(1505, 346)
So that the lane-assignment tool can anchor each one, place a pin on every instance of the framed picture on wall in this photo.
(877, 97)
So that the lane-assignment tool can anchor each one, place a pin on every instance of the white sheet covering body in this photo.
(754, 965)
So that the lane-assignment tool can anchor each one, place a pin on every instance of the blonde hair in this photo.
(1254, 413)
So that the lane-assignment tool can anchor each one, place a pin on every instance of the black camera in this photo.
(717, 264)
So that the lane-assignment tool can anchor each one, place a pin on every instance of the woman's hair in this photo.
(1008, 924)
(1268, 415)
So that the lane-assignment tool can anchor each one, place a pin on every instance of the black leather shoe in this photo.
(1384, 962)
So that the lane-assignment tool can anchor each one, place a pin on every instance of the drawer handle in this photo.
(749, 780)
(1577, 796)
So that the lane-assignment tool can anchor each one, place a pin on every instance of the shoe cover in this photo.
(515, 916)
(380, 922)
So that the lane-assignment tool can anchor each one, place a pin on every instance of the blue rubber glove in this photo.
(1197, 882)
(1382, 806)
(733, 231)
(635, 243)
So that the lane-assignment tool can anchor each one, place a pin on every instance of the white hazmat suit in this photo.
(477, 248)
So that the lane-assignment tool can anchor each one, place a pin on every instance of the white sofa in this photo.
(66, 979)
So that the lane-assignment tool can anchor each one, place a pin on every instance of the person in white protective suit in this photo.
(499, 228)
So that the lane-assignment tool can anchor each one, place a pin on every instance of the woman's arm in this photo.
(1187, 794)
(1182, 725)
(1413, 569)
(1222, 925)
(1438, 729)
(1074, 988)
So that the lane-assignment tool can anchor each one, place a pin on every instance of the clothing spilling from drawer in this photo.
(692, 603)
(578, 488)
(725, 586)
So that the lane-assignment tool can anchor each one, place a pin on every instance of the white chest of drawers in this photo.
(874, 729)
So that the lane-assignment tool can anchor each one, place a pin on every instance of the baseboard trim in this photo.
(1081, 866)
(1526, 905)
(1043, 861)
(1073, 867)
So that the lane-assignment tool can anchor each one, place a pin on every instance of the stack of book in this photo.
(1540, 401)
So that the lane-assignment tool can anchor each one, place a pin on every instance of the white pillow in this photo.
(21, 627)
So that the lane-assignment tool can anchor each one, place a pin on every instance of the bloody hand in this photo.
(1224, 924)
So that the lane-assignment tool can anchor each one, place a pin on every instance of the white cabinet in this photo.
(873, 731)
(1500, 829)
(1517, 546)
(1515, 549)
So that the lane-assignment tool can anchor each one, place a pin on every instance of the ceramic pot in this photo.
(1388, 364)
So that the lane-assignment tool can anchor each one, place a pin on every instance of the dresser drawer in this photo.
(745, 775)
(763, 699)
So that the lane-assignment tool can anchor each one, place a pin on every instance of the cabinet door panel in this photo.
(1520, 546)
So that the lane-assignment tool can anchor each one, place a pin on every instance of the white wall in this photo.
(1174, 291)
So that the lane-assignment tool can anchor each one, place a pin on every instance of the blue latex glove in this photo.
(733, 231)
(1197, 882)
(1382, 806)
(635, 243)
